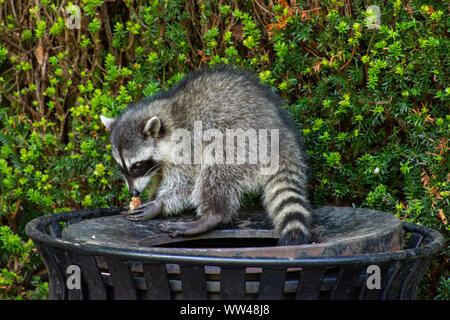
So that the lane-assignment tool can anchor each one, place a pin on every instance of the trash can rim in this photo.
(35, 230)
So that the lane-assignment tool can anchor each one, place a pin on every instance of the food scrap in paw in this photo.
(135, 202)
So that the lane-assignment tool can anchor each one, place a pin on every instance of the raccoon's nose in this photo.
(134, 193)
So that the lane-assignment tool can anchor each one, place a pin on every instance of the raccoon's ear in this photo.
(152, 127)
(108, 122)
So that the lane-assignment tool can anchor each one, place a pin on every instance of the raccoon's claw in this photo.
(144, 212)
(205, 223)
(138, 209)
(138, 217)
(174, 229)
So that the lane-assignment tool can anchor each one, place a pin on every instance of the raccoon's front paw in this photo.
(144, 212)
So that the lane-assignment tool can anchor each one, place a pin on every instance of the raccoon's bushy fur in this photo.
(220, 97)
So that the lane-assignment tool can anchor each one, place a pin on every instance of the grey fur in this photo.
(221, 98)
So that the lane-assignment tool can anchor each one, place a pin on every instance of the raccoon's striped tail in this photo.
(285, 198)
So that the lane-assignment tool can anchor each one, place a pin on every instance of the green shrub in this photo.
(372, 103)
(19, 261)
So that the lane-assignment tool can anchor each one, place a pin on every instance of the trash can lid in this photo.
(337, 231)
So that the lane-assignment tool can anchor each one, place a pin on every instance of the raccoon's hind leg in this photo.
(286, 201)
(216, 198)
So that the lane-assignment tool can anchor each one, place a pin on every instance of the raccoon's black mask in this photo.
(133, 141)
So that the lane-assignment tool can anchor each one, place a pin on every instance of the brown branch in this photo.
(311, 51)
(107, 25)
(370, 42)
(270, 13)
(13, 10)
(345, 65)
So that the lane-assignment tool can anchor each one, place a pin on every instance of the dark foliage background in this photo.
(373, 104)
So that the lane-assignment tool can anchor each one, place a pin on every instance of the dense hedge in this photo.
(373, 104)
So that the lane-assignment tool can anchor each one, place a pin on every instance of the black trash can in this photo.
(161, 272)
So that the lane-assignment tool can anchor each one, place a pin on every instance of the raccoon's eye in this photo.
(142, 168)
(137, 166)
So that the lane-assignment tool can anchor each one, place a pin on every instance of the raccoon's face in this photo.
(134, 145)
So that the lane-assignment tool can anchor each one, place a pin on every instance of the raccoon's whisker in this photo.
(151, 169)
(117, 174)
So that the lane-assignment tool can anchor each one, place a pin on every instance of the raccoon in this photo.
(143, 140)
